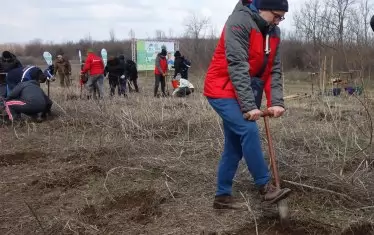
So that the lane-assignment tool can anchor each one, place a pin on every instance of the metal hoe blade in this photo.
(283, 213)
(282, 205)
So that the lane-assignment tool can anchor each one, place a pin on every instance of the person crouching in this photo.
(184, 87)
(29, 99)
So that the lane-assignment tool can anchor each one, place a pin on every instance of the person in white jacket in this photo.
(184, 88)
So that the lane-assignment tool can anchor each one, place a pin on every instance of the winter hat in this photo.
(177, 54)
(164, 52)
(37, 74)
(273, 5)
(7, 55)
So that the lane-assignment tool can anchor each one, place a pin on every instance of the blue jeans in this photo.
(241, 139)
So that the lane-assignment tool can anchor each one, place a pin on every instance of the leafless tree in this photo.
(171, 33)
(366, 10)
(112, 35)
(160, 34)
(196, 26)
(131, 34)
(340, 11)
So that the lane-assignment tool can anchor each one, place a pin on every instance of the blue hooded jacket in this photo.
(22, 74)
(48, 72)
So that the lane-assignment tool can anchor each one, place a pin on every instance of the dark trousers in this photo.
(2, 91)
(15, 108)
(159, 79)
(116, 81)
(113, 83)
(184, 91)
(134, 82)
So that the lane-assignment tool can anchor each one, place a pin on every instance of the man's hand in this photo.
(277, 111)
(252, 115)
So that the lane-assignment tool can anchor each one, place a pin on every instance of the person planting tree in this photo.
(246, 61)
(95, 66)
(161, 68)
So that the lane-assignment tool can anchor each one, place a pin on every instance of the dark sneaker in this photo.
(227, 202)
(272, 194)
(37, 119)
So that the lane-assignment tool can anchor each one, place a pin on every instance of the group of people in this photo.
(119, 71)
(93, 71)
(20, 91)
(182, 87)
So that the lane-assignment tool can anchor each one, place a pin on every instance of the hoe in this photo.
(282, 204)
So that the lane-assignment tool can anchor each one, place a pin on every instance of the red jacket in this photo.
(94, 64)
(239, 57)
(161, 65)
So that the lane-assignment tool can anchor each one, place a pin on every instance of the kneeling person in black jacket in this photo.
(27, 98)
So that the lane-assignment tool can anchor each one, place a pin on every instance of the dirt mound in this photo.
(18, 158)
(69, 178)
(141, 207)
(144, 205)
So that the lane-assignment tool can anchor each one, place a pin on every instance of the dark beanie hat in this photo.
(7, 55)
(274, 5)
(177, 54)
(164, 52)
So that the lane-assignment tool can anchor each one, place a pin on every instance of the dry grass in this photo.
(148, 166)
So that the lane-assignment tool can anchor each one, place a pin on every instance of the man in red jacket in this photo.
(95, 66)
(246, 62)
(161, 68)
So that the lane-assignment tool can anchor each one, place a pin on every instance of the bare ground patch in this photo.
(18, 158)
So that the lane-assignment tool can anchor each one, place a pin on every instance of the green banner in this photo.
(146, 53)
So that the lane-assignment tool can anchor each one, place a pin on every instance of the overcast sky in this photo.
(63, 20)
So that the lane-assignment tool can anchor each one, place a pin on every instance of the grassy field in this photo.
(148, 166)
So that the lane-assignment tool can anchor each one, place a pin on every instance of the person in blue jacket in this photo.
(22, 74)
(28, 98)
